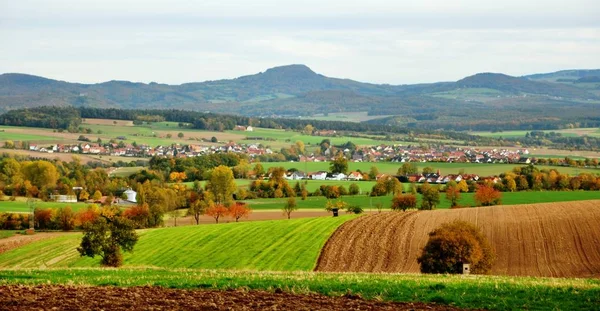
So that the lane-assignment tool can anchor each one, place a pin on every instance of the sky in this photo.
(378, 41)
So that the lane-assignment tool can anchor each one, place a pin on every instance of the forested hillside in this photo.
(486, 101)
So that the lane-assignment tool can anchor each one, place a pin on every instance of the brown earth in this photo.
(156, 298)
(19, 240)
(549, 239)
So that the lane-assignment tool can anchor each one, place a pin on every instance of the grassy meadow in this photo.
(592, 131)
(467, 199)
(282, 245)
(480, 292)
(482, 169)
(20, 205)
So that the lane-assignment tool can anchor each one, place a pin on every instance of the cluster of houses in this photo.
(432, 178)
(380, 153)
(399, 153)
(129, 150)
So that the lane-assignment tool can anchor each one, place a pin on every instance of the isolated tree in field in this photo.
(404, 202)
(454, 244)
(452, 194)
(290, 206)
(487, 196)
(407, 168)
(180, 135)
(339, 165)
(430, 197)
(222, 184)
(238, 211)
(106, 237)
(217, 211)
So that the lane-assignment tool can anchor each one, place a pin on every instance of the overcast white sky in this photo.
(380, 41)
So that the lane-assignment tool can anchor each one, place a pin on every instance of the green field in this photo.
(20, 206)
(283, 245)
(594, 132)
(481, 292)
(467, 199)
(283, 138)
(482, 169)
(6, 233)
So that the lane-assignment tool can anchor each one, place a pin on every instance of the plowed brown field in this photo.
(549, 239)
(157, 298)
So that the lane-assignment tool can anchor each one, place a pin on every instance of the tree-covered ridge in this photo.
(479, 102)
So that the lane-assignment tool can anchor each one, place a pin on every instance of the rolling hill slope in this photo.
(266, 245)
(548, 239)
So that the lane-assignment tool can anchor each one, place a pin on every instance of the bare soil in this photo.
(549, 239)
(19, 240)
(157, 298)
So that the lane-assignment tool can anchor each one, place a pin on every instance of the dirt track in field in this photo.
(549, 239)
(157, 298)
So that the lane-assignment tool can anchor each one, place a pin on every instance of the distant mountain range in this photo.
(482, 100)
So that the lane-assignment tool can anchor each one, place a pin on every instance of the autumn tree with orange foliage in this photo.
(217, 211)
(404, 202)
(453, 195)
(454, 244)
(87, 215)
(239, 210)
(139, 215)
(486, 195)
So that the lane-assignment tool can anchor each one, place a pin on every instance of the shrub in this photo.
(354, 209)
(453, 244)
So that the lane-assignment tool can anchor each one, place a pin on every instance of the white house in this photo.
(249, 129)
(321, 175)
(355, 176)
(340, 176)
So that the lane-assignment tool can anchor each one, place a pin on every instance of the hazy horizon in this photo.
(377, 41)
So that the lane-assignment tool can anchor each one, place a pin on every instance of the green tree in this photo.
(200, 206)
(180, 135)
(428, 170)
(290, 206)
(408, 168)
(259, 170)
(339, 165)
(430, 197)
(373, 172)
(106, 237)
(97, 195)
(454, 244)
(222, 184)
(353, 189)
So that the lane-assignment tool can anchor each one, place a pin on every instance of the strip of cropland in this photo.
(476, 292)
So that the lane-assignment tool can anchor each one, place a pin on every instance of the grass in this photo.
(594, 132)
(284, 138)
(20, 206)
(467, 199)
(481, 292)
(6, 233)
(482, 169)
(284, 245)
